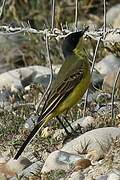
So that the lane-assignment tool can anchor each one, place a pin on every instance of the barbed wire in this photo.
(57, 33)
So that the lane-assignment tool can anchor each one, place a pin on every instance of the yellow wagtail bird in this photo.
(69, 86)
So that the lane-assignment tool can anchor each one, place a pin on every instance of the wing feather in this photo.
(59, 92)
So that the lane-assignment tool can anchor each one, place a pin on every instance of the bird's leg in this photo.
(67, 132)
(72, 129)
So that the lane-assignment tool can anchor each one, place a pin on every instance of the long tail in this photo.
(29, 138)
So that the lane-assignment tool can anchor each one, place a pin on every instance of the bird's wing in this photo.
(63, 85)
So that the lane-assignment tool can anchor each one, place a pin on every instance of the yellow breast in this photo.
(76, 94)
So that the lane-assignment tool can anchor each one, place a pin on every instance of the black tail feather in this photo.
(29, 138)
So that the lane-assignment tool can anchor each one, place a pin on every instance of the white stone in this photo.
(102, 177)
(59, 160)
(113, 176)
(12, 79)
(95, 142)
(112, 14)
(76, 176)
(117, 22)
(108, 64)
(2, 160)
(18, 165)
(86, 121)
(29, 171)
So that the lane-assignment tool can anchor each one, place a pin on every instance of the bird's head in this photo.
(71, 41)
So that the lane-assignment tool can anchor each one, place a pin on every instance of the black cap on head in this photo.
(71, 41)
